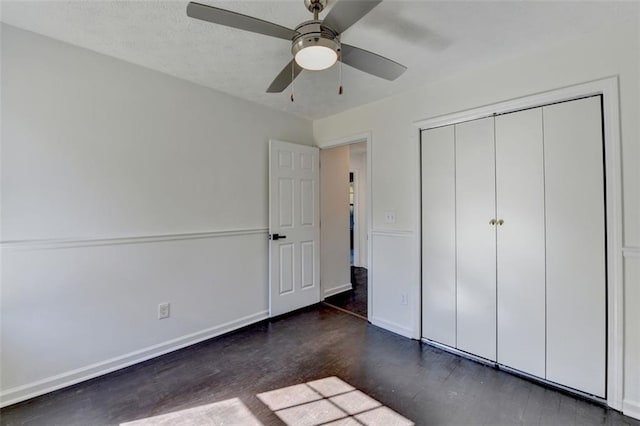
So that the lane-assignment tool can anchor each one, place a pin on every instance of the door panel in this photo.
(308, 268)
(520, 241)
(308, 195)
(286, 201)
(287, 269)
(476, 238)
(575, 245)
(294, 272)
(439, 236)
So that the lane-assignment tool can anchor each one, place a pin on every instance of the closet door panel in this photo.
(575, 245)
(475, 238)
(520, 241)
(438, 236)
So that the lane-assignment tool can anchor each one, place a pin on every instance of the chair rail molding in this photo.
(59, 243)
(631, 251)
(390, 232)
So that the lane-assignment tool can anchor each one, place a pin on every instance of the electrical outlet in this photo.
(163, 310)
(404, 299)
(390, 217)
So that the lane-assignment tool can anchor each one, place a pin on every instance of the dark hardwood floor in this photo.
(354, 300)
(421, 383)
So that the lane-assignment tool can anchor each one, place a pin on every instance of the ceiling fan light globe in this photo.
(316, 58)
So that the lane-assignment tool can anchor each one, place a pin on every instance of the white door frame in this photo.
(356, 221)
(361, 137)
(608, 88)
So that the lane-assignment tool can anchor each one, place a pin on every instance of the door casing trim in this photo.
(348, 140)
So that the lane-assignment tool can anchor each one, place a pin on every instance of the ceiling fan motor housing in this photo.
(313, 33)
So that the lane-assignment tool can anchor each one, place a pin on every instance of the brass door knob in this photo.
(492, 222)
(500, 222)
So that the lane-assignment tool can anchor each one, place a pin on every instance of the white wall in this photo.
(358, 163)
(335, 270)
(395, 163)
(97, 149)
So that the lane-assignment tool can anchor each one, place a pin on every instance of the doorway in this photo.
(344, 226)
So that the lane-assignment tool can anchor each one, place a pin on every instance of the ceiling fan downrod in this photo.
(315, 7)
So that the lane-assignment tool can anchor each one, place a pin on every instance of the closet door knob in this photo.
(492, 222)
(500, 222)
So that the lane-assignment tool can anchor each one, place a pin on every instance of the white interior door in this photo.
(439, 235)
(294, 227)
(576, 272)
(476, 238)
(521, 237)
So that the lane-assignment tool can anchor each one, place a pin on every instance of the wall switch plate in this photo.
(390, 217)
(163, 310)
(404, 299)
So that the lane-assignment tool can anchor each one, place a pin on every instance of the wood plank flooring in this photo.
(424, 384)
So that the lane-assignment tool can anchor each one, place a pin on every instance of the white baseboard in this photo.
(631, 408)
(393, 327)
(40, 387)
(338, 289)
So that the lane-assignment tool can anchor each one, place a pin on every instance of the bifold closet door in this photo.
(438, 236)
(520, 241)
(575, 245)
(476, 238)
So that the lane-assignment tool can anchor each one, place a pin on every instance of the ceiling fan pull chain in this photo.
(293, 76)
(340, 74)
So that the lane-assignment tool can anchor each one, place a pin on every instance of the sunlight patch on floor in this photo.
(329, 401)
(231, 412)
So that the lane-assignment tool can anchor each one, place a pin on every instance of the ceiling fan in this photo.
(315, 44)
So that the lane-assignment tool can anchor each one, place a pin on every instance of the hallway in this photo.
(354, 300)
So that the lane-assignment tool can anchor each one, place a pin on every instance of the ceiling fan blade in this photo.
(284, 79)
(371, 63)
(237, 20)
(347, 12)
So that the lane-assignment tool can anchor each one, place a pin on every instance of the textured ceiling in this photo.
(433, 39)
